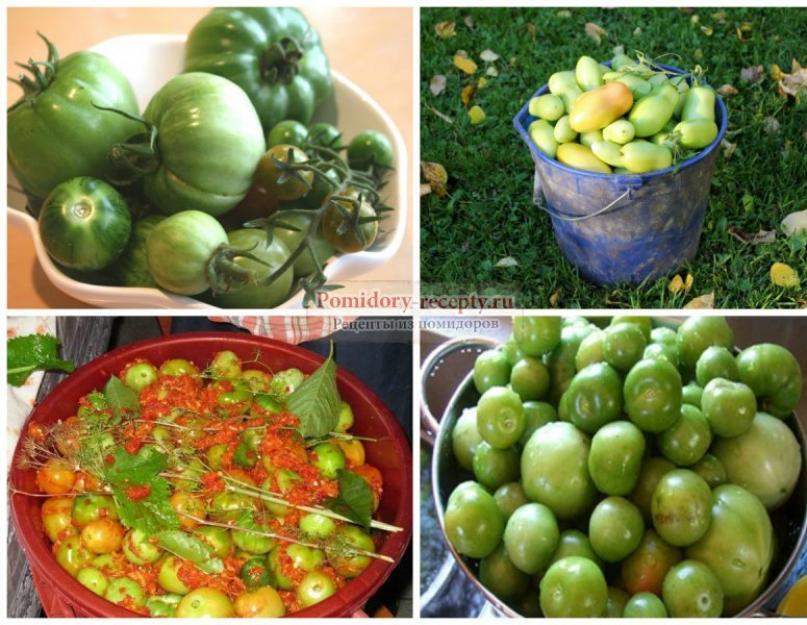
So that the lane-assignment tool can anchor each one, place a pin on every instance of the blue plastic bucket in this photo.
(625, 228)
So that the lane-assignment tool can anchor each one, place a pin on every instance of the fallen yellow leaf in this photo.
(476, 114)
(482, 82)
(676, 285)
(702, 301)
(437, 177)
(467, 93)
(784, 275)
(465, 64)
(445, 30)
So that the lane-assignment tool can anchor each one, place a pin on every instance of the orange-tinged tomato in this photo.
(68, 436)
(185, 505)
(599, 107)
(580, 157)
(644, 570)
(353, 450)
(57, 517)
(56, 477)
(102, 536)
(263, 602)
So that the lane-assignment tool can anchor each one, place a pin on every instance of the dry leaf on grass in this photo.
(492, 71)
(678, 284)
(507, 261)
(792, 84)
(753, 74)
(436, 177)
(446, 30)
(784, 275)
(728, 90)
(595, 32)
(462, 62)
(469, 22)
(795, 223)
(728, 148)
(702, 301)
(554, 299)
(437, 84)
(489, 56)
(467, 93)
(763, 236)
(771, 125)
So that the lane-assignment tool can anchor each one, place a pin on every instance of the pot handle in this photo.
(429, 424)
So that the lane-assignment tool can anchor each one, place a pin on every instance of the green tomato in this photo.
(765, 460)
(325, 135)
(711, 470)
(88, 508)
(554, 470)
(560, 361)
(692, 394)
(315, 587)
(287, 132)
(590, 350)
(465, 439)
(623, 345)
(491, 369)
(697, 333)
(369, 150)
(139, 375)
(699, 103)
(251, 543)
(640, 157)
(132, 268)
(345, 229)
(473, 522)
(543, 135)
(621, 131)
(345, 421)
(228, 506)
(574, 543)
(653, 395)
(691, 590)
(263, 602)
(574, 587)
(163, 606)
(728, 406)
(681, 507)
(617, 600)
(650, 113)
(529, 378)
(191, 112)
(594, 397)
(644, 569)
(305, 263)
(215, 455)
(510, 497)
(139, 549)
(168, 577)
(536, 415)
(494, 467)
(126, 592)
(205, 603)
(500, 417)
(773, 373)
(531, 537)
(348, 562)
(588, 73)
(536, 336)
(663, 334)
(179, 366)
(615, 459)
(84, 224)
(273, 54)
(615, 528)
(310, 559)
(695, 134)
(93, 579)
(255, 572)
(503, 578)
(72, 555)
(645, 605)
(218, 538)
(715, 362)
(687, 440)
(547, 106)
(563, 132)
(329, 459)
(56, 132)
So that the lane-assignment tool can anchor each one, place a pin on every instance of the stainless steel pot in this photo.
(789, 522)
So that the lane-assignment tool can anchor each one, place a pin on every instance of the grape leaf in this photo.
(355, 499)
(26, 354)
(316, 401)
(122, 400)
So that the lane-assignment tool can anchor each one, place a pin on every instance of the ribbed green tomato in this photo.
(56, 133)
(209, 142)
(273, 54)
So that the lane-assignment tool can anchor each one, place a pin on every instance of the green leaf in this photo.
(192, 549)
(27, 354)
(355, 499)
(139, 468)
(122, 400)
(316, 401)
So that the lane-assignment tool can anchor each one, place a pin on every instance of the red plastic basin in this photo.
(65, 597)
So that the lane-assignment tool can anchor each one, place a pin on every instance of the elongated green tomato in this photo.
(588, 73)
(652, 112)
(591, 137)
(581, 157)
(696, 133)
(304, 264)
(191, 113)
(641, 156)
(569, 96)
(547, 106)
(273, 54)
(608, 152)
(180, 248)
(543, 135)
(681, 84)
(699, 104)
(620, 132)
(84, 224)
(563, 131)
(560, 81)
(132, 268)
(54, 130)
(657, 79)
(256, 294)
(596, 109)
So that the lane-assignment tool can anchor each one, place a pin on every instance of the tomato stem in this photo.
(280, 63)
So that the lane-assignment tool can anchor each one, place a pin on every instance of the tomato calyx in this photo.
(280, 63)
(42, 74)
(224, 274)
(136, 157)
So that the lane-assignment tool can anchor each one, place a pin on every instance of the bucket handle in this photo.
(602, 211)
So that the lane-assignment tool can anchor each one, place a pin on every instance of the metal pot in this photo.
(789, 521)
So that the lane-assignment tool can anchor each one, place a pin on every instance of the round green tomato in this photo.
(465, 439)
(315, 587)
(728, 406)
(491, 369)
(773, 373)
(645, 605)
(536, 336)
(574, 543)
(287, 132)
(500, 417)
(205, 603)
(494, 467)
(225, 364)
(661, 350)
(127, 592)
(692, 394)
(691, 590)
(715, 362)
(310, 559)
(765, 460)
(681, 507)
(370, 150)
(163, 606)
(253, 543)
(511, 350)
(255, 572)
(574, 587)
(698, 333)
(168, 577)
(687, 440)
(329, 460)
(179, 250)
(531, 537)
(560, 361)
(218, 538)
(615, 528)
(228, 506)
(473, 522)
(711, 470)
(644, 569)
(623, 345)
(132, 267)
(263, 602)
(88, 508)
(594, 397)
(590, 350)
(178, 366)
(653, 469)
(617, 600)
(317, 525)
(84, 224)
(529, 379)
(503, 578)
(349, 563)
(139, 375)
(554, 470)
(664, 335)
(93, 579)
(325, 135)
(653, 395)
(509, 497)
(305, 263)
(645, 324)
(615, 459)
(350, 225)
(536, 415)
(215, 455)
(139, 549)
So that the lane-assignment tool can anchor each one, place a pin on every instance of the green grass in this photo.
(489, 214)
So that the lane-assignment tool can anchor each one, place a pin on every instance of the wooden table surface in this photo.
(371, 46)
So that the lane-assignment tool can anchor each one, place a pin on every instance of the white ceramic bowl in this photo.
(149, 61)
